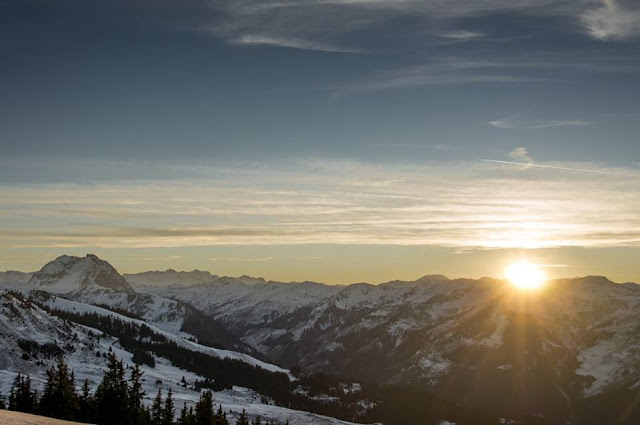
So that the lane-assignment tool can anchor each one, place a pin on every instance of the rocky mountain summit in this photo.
(68, 274)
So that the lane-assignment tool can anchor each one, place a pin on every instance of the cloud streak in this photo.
(476, 205)
(520, 154)
(447, 71)
(524, 156)
(242, 259)
(514, 124)
(293, 43)
(614, 19)
(326, 24)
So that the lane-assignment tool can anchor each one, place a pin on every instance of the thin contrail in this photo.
(555, 167)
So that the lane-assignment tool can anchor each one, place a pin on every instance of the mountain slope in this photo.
(33, 338)
(14, 277)
(475, 341)
(169, 277)
(237, 302)
(94, 281)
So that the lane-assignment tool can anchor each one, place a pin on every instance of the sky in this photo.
(328, 140)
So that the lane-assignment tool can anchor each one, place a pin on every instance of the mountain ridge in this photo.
(466, 339)
(197, 276)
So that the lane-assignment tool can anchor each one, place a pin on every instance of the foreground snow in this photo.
(17, 418)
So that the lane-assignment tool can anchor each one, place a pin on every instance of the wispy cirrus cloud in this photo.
(613, 19)
(242, 259)
(308, 258)
(468, 205)
(446, 71)
(529, 163)
(293, 43)
(520, 154)
(461, 35)
(420, 146)
(534, 124)
(331, 23)
(465, 70)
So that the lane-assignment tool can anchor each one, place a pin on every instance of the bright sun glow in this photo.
(525, 275)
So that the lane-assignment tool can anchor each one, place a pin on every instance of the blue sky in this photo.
(229, 127)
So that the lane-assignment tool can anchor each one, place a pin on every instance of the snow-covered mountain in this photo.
(577, 339)
(570, 348)
(33, 337)
(170, 277)
(14, 277)
(76, 275)
(238, 303)
(91, 280)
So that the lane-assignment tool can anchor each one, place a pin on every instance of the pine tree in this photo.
(221, 417)
(204, 410)
(137, 411)
(47, 402)
(156, 409)
(257, 421)
(169, 410)
(243, 420)
(60, 399)
(112, 398)
(191, 417)
(145, 416)
(85, 404)
(182, 420)
(22, 398)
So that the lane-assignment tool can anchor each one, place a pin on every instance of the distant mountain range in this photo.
(569, 353)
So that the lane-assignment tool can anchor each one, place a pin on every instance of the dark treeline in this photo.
(116, 401)
(141, 340)
(394, 405)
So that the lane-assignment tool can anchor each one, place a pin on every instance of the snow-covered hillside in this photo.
(58, 303)
(32, 340)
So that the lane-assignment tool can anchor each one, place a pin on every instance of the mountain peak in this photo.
(433, 278)
(69, 274)
(596, 281)
(250, 280)
(170, 277)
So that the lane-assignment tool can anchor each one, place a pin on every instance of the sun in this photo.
(525, 275)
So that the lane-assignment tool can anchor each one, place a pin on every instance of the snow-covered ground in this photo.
(20, 321)
(58, 303)
(18, 418)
